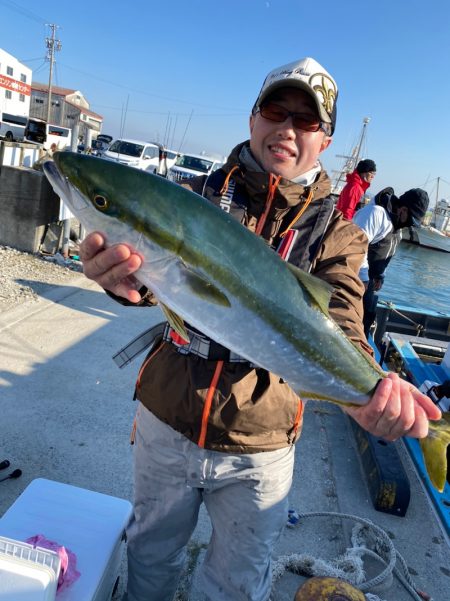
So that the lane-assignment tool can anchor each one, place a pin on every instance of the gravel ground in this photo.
(24, 277)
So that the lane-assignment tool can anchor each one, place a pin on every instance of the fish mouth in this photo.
(62, 186)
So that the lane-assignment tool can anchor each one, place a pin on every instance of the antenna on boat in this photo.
(350, 160)
(167, 130)
(185, 131)
(124, 117)
(173, 131)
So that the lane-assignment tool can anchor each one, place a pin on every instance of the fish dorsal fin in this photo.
(175, 322)
(319, 290)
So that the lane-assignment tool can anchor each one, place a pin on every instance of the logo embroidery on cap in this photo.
(325, 88)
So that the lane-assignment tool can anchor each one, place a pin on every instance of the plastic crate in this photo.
(27, 573)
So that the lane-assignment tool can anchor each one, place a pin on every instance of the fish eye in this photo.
(101, 202)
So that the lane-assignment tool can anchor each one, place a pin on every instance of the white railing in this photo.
(19, 154)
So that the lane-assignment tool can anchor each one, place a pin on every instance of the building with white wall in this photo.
(15, 94)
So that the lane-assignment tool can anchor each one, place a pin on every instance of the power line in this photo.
(97, 107)
(31, 60)
(23, 11)
(41, 66)
(167, 98)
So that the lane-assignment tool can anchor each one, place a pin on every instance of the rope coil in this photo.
(350, 566)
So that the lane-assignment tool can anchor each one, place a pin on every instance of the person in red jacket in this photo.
(357, 184)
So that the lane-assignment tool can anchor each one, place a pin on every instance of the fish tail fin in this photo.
(434, 449)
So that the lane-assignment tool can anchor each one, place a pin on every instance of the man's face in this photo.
(368, 176)
(404, 216)
(281, 149)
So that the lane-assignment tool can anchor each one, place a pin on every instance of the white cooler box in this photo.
(88, 523)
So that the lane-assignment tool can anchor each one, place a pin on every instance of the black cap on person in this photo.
(416, 200)
(365, 166)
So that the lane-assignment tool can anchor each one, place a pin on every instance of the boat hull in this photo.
(428, 238)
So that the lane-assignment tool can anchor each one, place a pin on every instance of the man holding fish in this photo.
(213, 427)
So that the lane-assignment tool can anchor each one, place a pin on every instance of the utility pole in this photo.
(53, 45)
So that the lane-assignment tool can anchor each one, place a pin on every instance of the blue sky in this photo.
(188, 72)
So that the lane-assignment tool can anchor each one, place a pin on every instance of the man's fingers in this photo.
(108, 259)
(420, 427)
(91, 245)
(431, 410)
(405, 420)
(113, 275)
(127, 292)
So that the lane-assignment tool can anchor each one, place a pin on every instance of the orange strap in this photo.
(299, 414)
(133, 430)
(299, 214)
(226, 183)
(208, 403)
(273, 184)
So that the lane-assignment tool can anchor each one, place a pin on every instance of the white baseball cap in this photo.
(305, 74)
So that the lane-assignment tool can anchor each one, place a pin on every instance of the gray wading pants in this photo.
(246, 497)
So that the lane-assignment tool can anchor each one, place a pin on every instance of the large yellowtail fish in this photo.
(219, 277)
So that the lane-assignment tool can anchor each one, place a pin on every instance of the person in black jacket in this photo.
(382, 222)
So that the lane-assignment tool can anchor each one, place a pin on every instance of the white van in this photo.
(134, 153)
(191, 165)
(12, 127)
(47, 134)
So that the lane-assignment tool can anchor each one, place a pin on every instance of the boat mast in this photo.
(361, 140)
(352, 160)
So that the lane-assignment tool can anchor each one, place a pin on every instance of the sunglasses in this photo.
(302, 121)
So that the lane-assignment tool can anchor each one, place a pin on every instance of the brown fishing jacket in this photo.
(251, 410)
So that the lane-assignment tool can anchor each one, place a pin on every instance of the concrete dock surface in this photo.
(67, 412)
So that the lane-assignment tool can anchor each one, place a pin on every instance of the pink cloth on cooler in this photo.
(68, 574)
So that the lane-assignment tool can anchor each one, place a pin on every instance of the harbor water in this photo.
(419, 277)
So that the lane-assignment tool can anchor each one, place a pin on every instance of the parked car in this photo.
(100, 144)
(134, 153)
(41, 132)
(191, 165)
(105, 138)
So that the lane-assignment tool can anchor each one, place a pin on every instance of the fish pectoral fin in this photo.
(175, 322)
(434, 449)
(319, 290)
(204, 289)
